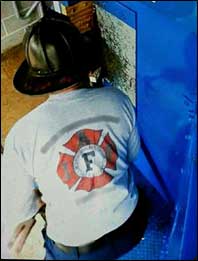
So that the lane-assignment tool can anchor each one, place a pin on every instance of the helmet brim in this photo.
(25, 83)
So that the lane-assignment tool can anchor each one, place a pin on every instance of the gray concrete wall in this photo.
(119, 45)
(13, 28)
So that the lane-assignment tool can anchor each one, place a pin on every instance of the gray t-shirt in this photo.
(76, 148)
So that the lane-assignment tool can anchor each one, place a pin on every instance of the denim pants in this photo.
(104, 252)
(113, 245)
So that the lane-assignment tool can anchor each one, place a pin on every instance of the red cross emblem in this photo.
(87, 165)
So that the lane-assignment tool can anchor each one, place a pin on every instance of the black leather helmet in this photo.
(54, 56)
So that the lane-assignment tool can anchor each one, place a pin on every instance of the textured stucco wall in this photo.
(119, 51)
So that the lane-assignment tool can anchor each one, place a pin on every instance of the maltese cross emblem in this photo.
(91, 156)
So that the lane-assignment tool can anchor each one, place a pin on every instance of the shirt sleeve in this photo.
(133, 145)
(19, 202)
(134, 138)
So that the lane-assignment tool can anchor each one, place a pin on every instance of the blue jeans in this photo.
(104, 252)
(113, 245)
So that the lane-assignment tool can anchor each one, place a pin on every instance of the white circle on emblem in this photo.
(89, 161)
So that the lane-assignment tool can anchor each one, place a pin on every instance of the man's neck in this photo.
(70, 88)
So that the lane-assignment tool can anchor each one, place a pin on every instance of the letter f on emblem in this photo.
(88, 161)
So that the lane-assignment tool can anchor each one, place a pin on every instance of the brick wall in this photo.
(12, 27)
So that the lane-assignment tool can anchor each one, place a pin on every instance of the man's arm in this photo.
(23, 230)
(20, 202)
(20, 235)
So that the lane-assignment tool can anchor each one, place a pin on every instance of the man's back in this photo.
(76, 147)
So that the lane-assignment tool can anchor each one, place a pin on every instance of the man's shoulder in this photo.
(28, 122)
(114, 92)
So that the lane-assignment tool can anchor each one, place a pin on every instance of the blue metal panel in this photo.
(186, 224)
(183, 238)
(189, 239)
(166, 92)
(183, 13)
(118, 10)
